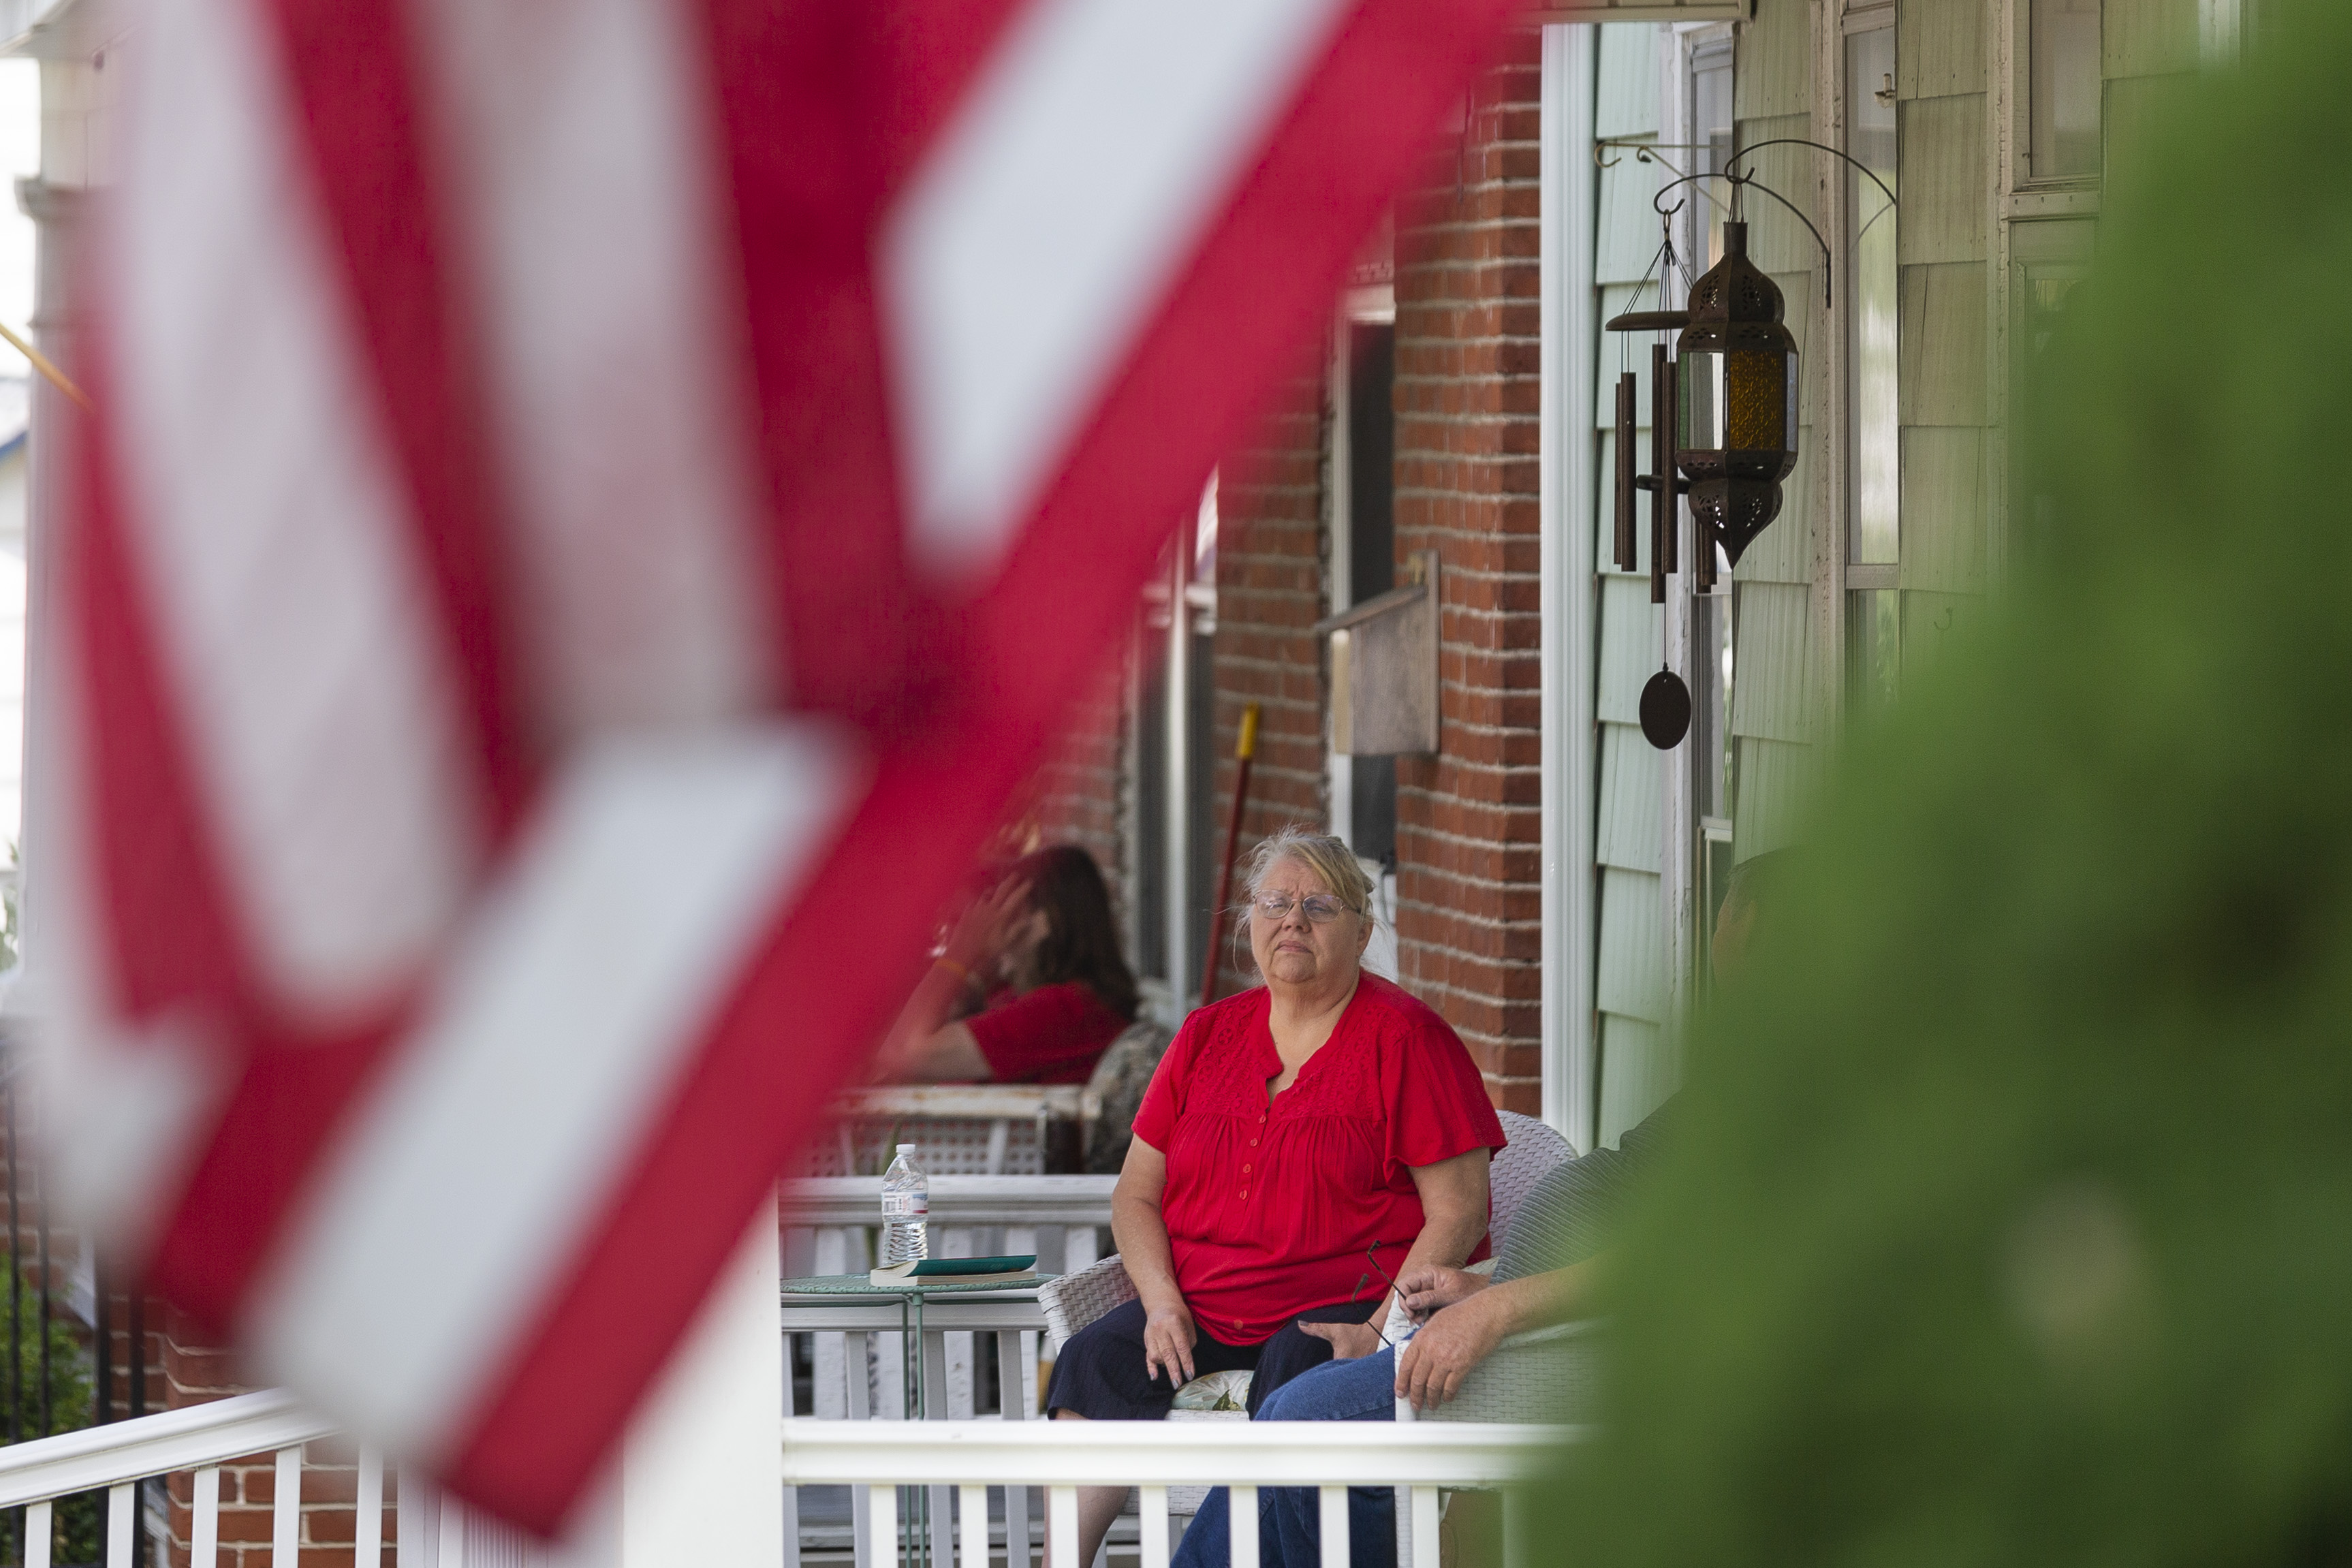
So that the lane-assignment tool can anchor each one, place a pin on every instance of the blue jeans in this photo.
(1289, 1519)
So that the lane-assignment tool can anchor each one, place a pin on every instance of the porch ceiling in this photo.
(1639, 11)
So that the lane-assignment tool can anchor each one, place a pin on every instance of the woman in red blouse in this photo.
(1302, 1143)
(1031, 978)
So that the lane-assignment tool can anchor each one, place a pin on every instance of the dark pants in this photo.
(1099, 1374)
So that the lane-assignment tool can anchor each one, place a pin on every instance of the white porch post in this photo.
(1566, 498)
(699, 1469)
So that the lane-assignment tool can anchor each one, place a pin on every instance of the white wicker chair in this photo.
(1070, 1303)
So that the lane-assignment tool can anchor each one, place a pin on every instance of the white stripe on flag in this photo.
(436, 1231)
(1054, 214)
(582, 147)
(268, 529)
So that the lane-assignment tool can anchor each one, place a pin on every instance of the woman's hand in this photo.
(1349, 1342)
(1168, 1339)
(985, 929)
(1427, 1287)
(1430, 1367)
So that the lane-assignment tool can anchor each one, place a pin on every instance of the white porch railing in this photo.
(825, 1223)
(1419, 1459)
(202, 1438)
(972, 1455)
(1019, 1201)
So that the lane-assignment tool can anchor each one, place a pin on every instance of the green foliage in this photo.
(2011, 1221)
(8, 908)
(76, 1519)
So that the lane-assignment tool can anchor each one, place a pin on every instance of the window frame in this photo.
(2025, 194)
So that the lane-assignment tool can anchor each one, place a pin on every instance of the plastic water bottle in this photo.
(906, 1208)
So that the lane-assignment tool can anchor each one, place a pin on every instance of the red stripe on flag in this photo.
(794, 95)
(349, 69)
(825, 110)
(155, 872)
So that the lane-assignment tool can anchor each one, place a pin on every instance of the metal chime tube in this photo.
(1667, 415)
(1662, 472)
(1628, 553)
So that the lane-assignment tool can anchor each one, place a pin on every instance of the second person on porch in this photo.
(1303, 1144)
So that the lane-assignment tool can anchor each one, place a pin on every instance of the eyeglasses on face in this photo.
(1321, 908)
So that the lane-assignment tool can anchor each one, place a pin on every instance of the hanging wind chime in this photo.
(1723, 431)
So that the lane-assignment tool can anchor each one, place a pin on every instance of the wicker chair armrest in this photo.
(1074, 1300)
(1544, 1375)
(1584, 1328)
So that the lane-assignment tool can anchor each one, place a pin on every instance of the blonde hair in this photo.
(1324, 854)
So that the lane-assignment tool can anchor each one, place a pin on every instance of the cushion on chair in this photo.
(1115, 1092)
(1215, 1392)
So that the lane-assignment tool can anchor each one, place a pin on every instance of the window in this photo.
(2048, 261)
(1362, 541)
(1362, 565)
(1872, 314)
(1371, 554)
(2062, 132)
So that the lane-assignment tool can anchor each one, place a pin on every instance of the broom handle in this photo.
(1245, 754)
(55, 376)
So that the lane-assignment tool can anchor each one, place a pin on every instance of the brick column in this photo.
(1076, 792)
(193, 1372)
(1469, 923)
(1269, 591)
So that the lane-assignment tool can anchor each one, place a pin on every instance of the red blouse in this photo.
(1270, 1210)
(1054, 1033)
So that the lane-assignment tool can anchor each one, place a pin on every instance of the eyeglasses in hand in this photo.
(1371, 1256)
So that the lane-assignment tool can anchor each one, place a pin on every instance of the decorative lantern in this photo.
(1735, 430)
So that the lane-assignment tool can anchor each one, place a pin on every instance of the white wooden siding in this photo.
(1769, 699)
(1776, 783)
(1625, 102)
(1630, 986)
(1639, 1068)
(1633, 955)
(1944, 509)
(1632, 797)
(1631, 630)
(1784, 551)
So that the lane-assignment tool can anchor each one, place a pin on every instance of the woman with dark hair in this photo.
(1031, 987)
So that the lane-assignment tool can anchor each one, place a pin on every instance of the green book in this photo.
(1020, 1270)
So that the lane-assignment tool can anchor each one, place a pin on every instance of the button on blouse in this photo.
(1393, 1087)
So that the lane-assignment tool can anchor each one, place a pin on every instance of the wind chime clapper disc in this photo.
(1666, 710)
(1735, 430)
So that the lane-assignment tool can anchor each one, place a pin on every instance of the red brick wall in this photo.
(191, 1372)
(1075, 798)
(1270, 503)
(1468, 828)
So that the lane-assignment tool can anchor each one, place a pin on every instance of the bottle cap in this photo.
(907, 1148)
